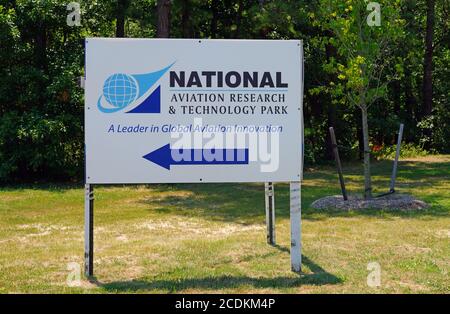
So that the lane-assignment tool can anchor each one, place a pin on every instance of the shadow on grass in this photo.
(318, 277)
(231, 204)
(244, 203)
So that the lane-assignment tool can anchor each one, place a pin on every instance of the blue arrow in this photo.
(163, 156)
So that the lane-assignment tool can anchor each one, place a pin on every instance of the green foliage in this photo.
(408, 150)
(364, 49)
(41, 106)
(34, 145)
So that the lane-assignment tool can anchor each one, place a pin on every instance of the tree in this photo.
(41, 105)
(163, 27)
(214, 18)
(186, 19)
(362, 40)
(122, 6)
(40, 109)
(428, 59)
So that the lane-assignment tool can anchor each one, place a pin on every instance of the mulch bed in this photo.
(392, 201)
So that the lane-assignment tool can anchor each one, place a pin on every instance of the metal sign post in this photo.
(270, 212)
(89, 230)
(296, 226)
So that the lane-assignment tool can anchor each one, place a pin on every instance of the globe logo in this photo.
(120, 90)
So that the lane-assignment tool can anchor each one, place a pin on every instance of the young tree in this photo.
(363, 32)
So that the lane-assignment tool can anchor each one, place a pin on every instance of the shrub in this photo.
(406, 150)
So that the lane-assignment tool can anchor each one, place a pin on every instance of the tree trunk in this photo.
(411, 112)
(331, 52)
(186, 20)
(428, 60)
(396, 97)
(367, 180)
(40, 52)
(237, 31)
(122, 6)
(163, 27)
(214, 18)
(359, 134)
(41, 47)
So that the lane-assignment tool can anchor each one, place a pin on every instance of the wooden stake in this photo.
(338, 163)
(397, 155)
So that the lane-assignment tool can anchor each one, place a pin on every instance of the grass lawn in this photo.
(207, 238)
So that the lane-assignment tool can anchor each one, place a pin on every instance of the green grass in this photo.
(205, 238)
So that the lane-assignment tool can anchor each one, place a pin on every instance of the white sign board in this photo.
(185, 110)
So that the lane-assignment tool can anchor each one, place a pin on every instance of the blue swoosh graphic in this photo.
(145, 81)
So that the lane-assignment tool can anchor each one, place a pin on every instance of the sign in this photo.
(185, 110)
